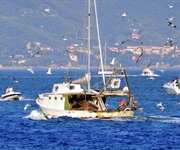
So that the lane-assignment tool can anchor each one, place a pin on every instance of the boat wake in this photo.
(164, 119)
(159, 118)
(22, 98)
(36, 115)
(3, 100)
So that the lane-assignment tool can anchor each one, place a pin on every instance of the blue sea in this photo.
(30, 130)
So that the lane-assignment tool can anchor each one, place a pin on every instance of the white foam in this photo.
(36, 115)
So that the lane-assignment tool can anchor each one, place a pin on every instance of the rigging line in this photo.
(96, 85)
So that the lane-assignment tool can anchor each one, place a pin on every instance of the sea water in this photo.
(29, 129)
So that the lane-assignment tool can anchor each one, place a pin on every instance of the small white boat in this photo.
(148, 72)
(173, 87)
(49, 71)
(11, 96)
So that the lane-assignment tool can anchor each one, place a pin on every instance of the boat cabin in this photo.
(67, 88)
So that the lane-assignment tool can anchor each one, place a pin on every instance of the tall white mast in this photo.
(89, 50)
(99, 42)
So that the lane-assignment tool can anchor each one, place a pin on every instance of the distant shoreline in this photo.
(79, 68)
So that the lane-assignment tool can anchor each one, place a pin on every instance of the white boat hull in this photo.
(105, 72)
(52, 113)
(11, 96)
(57, 105)
(171, 89)
(148, 72)
(149, 75)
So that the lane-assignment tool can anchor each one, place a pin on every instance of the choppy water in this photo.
(29, 129)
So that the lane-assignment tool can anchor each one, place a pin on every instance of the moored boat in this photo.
(49, 71)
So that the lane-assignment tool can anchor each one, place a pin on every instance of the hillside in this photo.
(44, 25)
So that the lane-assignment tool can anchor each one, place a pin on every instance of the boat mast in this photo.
(99, 42)
(89, 51)
(105, 55)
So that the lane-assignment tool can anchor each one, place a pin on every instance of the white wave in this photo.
(107, 105)
(22, 98)
(158, 118)
(163, 119)
(167, 119)
(133, 75)
(121, 119)
(89, 118)
(3, 100)
(36, 115)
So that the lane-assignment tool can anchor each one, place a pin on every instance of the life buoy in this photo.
(115, 83)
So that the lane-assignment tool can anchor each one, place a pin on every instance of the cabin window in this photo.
(55, 98)
(71, 87)
(49, 98)
(56, 88)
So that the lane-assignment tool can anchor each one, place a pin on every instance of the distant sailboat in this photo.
(113, 61)
(30, 70)
(105, 70)
(49, 71)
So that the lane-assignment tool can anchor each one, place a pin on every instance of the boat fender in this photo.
(125, 89)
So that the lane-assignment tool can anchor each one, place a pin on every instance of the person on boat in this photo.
(7, 90)
(122, 104)
(11, 89)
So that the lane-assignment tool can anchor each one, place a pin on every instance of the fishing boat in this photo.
(72, 99)
(10, 94)
(49, 71)
(173, 87)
